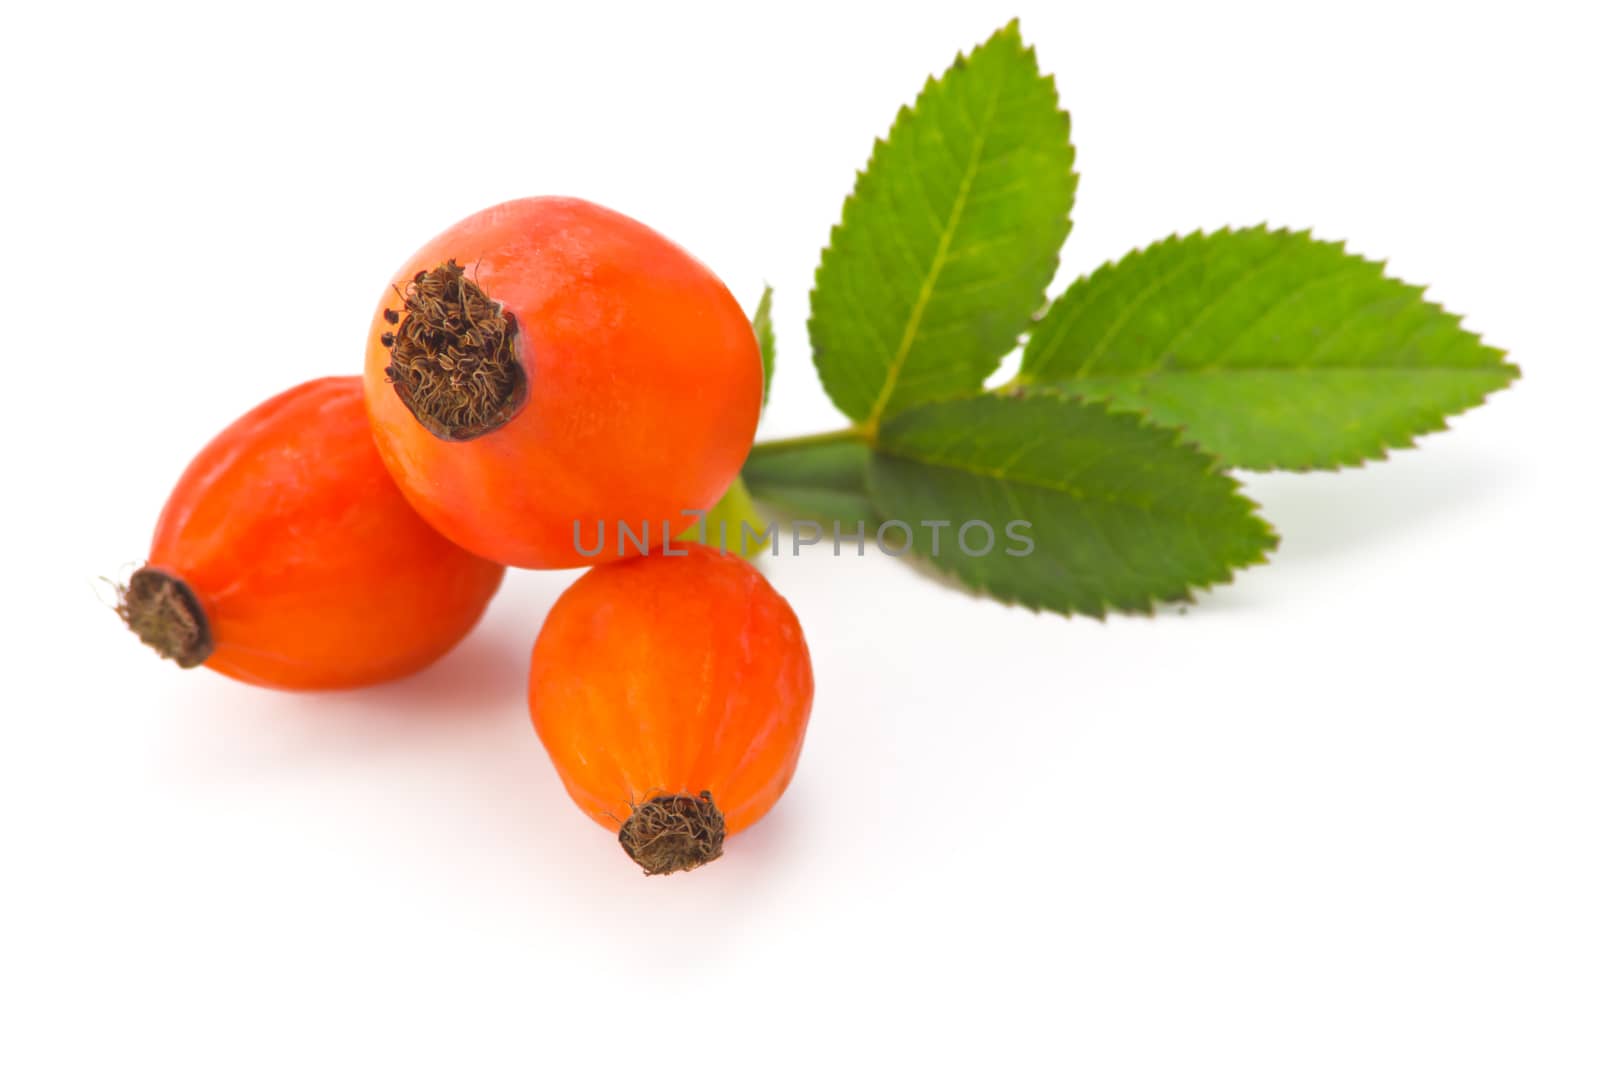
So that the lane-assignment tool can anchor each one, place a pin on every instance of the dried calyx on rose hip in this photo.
(672, 693)
(286, 557)
(549, 366)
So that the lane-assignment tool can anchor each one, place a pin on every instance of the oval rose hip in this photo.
(286, 557)
(549, 365)
(672, 693)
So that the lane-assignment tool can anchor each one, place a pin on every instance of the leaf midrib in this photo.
(1008, 478)
(1280, 368)
(941, 253)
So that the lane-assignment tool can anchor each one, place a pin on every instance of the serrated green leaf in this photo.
(761, 322)
(1270, 349)
(949, 239)
(1123, 514)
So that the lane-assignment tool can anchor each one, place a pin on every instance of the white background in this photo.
(1345, 810)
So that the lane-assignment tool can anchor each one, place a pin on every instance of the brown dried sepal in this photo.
(453, 360)
(164, 613)
(673, 833)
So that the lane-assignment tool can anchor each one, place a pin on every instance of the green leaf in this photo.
(949, 239)
(761, 321)
(1122, 513)
(1270, 349)
(814, 479)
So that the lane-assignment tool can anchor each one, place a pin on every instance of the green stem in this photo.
(819, 476)
(810, 440)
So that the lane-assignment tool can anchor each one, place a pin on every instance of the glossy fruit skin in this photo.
(667, 675)
(643, 380)
(312, 570)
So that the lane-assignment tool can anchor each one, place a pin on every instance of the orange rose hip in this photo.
(286, 557)
(672, 694)
(549, 362)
